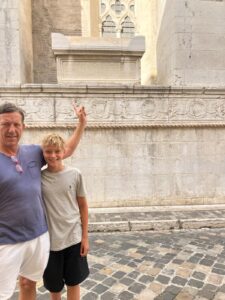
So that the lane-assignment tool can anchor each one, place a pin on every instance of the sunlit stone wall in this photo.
(142, 146)
(190, 43)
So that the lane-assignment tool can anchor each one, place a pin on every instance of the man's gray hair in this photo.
(9, 107)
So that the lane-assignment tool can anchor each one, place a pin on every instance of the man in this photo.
(24, 240)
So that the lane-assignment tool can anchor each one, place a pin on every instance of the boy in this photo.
(67, 216)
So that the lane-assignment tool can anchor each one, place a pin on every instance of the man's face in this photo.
(11, 129)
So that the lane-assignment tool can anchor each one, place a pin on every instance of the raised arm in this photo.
(74, 140)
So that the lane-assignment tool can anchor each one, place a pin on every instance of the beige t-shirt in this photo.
(59, 193)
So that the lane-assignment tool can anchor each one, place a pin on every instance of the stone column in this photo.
(16, 55)
(146, 18)
(90, 18)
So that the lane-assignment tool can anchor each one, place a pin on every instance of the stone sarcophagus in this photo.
(99, 60)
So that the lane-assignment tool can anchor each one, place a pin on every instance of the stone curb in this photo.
(156, 225)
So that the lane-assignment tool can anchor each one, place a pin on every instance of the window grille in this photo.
(117, 18)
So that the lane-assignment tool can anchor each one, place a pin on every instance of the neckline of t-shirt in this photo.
(55, 173)
(9, 156)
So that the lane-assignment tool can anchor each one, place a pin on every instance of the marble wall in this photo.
(142, 146)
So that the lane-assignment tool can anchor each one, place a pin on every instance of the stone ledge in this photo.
(109, 226)
(108, 88)
(202, 223)
(156, 225)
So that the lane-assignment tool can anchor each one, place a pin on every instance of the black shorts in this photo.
(65, 267)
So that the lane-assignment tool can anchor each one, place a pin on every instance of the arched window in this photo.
(127, 28)
(108, 27)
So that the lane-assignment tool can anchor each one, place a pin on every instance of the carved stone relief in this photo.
(39, 109)
(153, 109)
(122, 109)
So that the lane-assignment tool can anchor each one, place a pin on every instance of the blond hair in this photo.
(53, 140)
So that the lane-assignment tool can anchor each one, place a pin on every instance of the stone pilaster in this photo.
(16, 58)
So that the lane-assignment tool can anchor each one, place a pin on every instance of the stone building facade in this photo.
(151, 76)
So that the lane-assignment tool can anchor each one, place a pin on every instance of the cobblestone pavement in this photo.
(145, 265)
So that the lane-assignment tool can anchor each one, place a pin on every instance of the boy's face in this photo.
(53, 156)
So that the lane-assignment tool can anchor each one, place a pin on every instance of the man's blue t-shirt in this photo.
(21, 207)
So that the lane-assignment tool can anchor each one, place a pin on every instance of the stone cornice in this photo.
(107, 89)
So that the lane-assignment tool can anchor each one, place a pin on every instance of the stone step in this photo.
(156, 218)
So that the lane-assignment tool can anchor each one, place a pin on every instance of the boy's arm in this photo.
(74, 140)
(83, 207)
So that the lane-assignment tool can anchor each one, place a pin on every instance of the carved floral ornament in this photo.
(125, 112)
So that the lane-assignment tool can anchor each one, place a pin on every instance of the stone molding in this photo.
(118, 126)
